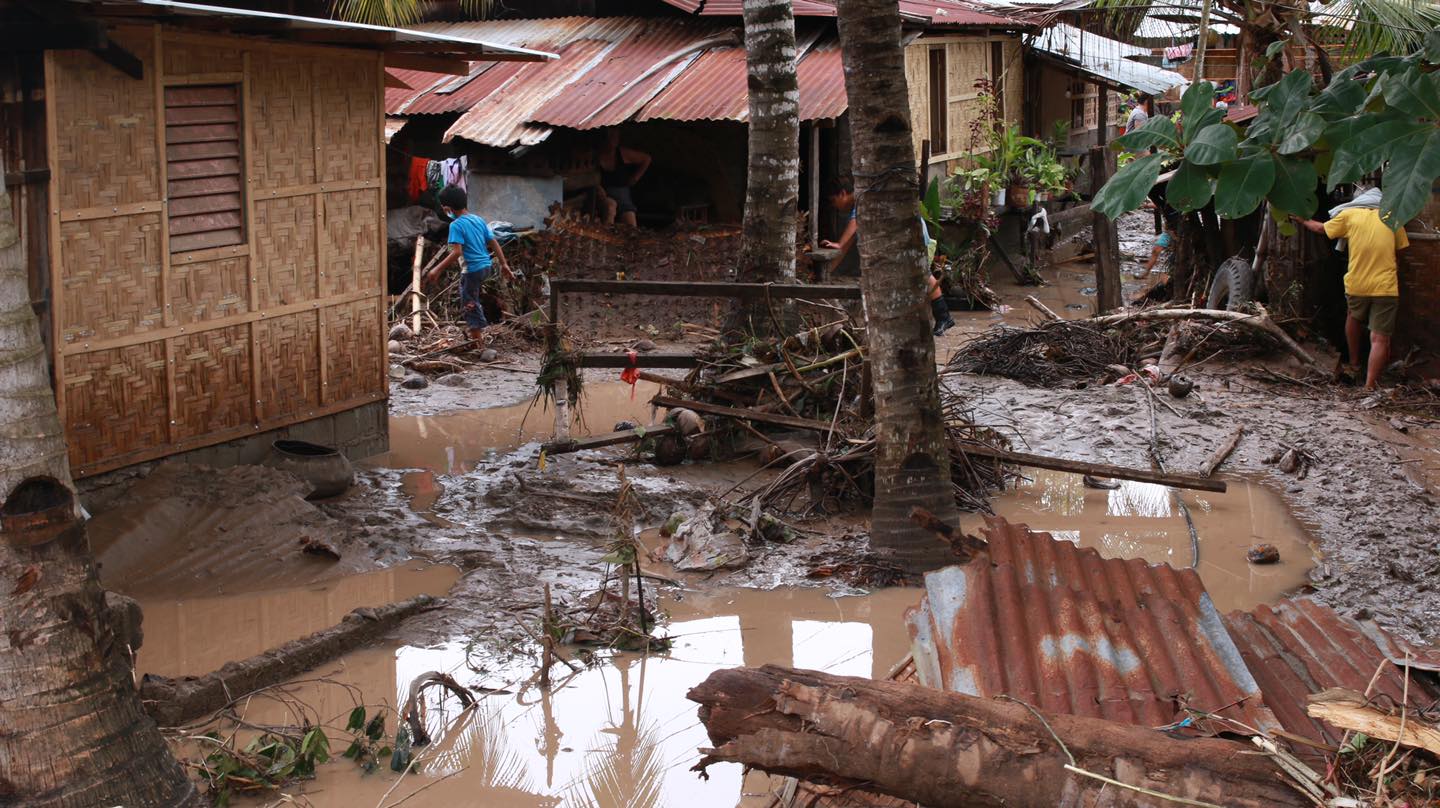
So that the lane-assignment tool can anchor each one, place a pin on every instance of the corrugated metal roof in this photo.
(502, 118)
(1067, 631)
(631, 74)
(1298, 647)
(714, 88)
(632, 68)
(1105, 59)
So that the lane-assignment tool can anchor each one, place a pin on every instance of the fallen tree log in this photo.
(1349, 710)
(175, 701)
(1259, 322)
(946, 750)
(1223, 451)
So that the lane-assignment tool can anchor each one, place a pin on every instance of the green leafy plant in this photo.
(267, 762)
(367, 749)
(1383, 112)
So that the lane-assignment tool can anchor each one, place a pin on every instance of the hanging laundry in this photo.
(1180, 53)
(417, 184)
(435, 175)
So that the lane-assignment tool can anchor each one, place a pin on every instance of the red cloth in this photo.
(418, 185)
(631, 375)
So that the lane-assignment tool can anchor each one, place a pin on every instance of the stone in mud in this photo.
(1263, 554)
(672, 524)
(703, 543)
(452, 380)
(621, 426)
(397, 373)
(415, 382)
(489, 355)
(688, 422)
(643, 346)
(401, 332)
(1180, 386)
(394, 346)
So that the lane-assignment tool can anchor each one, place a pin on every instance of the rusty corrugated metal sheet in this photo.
(502, 118)
(1298, 647)
(712, 89)
(632, 73)
(822, 84)
(1067, 631)
(948, 13)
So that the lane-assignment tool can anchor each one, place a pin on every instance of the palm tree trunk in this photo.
(912, 465)
(72, 731)
(772, 187)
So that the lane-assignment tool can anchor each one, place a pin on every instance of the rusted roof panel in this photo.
(712, 89)
(932, 12)
(822, 84)
(1067, 631)
(1298, 647)
(632, 73)
(502, 118)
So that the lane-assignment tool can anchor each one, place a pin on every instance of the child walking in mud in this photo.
(933, 288)
(474, 246)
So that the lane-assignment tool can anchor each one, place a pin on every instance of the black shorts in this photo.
(624, 202)
(472, 308)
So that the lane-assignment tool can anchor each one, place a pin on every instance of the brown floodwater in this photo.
(454, 442)
(1141, 520)
(194, 636)
(619, 733)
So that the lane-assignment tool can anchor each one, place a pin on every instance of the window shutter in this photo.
(203, 167)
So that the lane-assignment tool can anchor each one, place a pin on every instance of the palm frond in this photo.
(1380, 26)
(400, 13)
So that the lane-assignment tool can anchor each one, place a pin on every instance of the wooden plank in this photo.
(1077, 213)
(1094, 469)
(742, 414)
(199, 116)
(214, 203)
(644, 360)
(179, 152)
(106, 211)
(195, 169)
(167, 311)
(177, 99)
(205, 223)
(202, 133)
(206, 186)
(204, 78)
(432, 64)
(1352, 711)
(321, 187)
(207, 240)
(608, 439)
(57, 287)
(247, 138)
(776, 291)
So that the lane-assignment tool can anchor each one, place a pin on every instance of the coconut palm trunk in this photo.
(772, 186)
(72, 731)
(912, 465)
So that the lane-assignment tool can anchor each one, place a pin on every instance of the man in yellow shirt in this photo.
(1372, 288)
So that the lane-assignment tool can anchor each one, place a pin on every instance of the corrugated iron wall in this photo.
(157, 352)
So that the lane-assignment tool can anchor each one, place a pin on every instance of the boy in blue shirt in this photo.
(471, 239)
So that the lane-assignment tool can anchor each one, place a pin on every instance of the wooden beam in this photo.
(608, 439)
(743, 415)
(775, 291)
(1095, 469)
(1349, 710)
(39, 36)
(644, 360)
(122, 60)
(429, 64)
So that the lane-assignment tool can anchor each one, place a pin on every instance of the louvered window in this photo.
(204, 171)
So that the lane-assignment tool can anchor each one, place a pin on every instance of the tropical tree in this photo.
(1381, 112)
(912, 465)
(772, 185)
(72, 731)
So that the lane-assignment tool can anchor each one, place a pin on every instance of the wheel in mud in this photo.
(1231, 288)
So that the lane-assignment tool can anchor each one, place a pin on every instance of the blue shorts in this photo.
(471, 307)
(624, 202)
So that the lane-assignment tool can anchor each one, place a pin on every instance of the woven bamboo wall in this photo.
(160, 352)
(967, 58)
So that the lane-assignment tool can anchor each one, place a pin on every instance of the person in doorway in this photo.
(1372, 285)
(842, 199)
(934, 289)
(474, 247)
(1139, 114)
(620, 168)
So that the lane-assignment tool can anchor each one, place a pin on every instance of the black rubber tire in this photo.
(1232, 288)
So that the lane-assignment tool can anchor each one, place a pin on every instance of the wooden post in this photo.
(1106, 239)
(415, 285)
(815, 202)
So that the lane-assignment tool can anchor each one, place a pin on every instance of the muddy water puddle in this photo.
(618, 733)
(194, 636)
(1141, 520)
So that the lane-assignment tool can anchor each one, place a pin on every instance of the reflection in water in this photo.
(619, 734)
(1139, 520)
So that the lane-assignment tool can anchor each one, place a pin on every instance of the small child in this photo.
(472, 240)
(943, 321)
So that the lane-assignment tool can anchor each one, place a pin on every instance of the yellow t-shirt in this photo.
(1372, 252)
